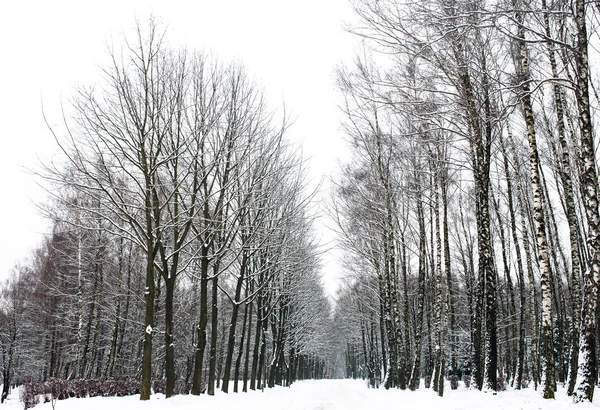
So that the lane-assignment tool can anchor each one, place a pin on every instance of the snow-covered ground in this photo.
(325, 395)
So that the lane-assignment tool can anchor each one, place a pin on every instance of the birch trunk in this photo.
(548, 370)
(587, 366)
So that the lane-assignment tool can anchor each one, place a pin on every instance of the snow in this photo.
(326, 395)
(149, 329)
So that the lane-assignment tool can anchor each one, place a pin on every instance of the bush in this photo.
(467, 381)
(60, 389)
(159, 385)
(500, 384)
(78, 388)
(57, 388)
(125, 387)
(454, 382)
(29, 395)
(186, 388)
(427, 381)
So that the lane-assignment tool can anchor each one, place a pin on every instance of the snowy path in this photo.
(327, 395)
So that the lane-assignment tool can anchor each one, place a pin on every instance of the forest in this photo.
(184, 255)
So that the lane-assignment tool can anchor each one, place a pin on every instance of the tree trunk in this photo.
(586, 375)
(247, 356)
(233, 323)
(539, 222)
(415, 377)
(148, 322)
(169, 347)
(201, 344)
(255, 354)
(453, 340)
(214, 328)
(238, 359)
(110, 361)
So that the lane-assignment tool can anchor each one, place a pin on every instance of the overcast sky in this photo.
(49, 47)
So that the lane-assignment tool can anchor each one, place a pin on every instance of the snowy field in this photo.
(324, 395)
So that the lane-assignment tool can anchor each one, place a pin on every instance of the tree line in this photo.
(468, 212)
(182, 247)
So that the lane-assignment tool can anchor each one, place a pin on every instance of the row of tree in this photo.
(179, 214)
(469, 212)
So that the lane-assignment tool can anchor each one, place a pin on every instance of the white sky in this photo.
(48, 47)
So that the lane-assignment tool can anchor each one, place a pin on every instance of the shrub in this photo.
(111, 388)
(29, 395)
(127, 387)
(454, 382)
(427, 381)
(467, 381)
(500, 384)
(78, 388)
(159, 385)
(60, 389)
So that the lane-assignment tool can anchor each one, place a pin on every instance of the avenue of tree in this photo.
(183, 253)
(182, 248)
(469, 210)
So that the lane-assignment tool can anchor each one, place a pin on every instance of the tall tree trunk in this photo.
(437, 289)
(110, 360)
(384, 360)
(415, 376)
(453, 340)
(262, 357)
(233, 323)
(120, 360)
(149, 294)
(214, 329)
(169, 346)
(510, 308)
(257, 341)
(480, 128)
(201, 344)
(586, 375)
(245, 328)
(247, 356)
(557, 255)
(487, 269)
(539, 222)
(83, 362)
(407, 328)
(533, 302)
(80, 291)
